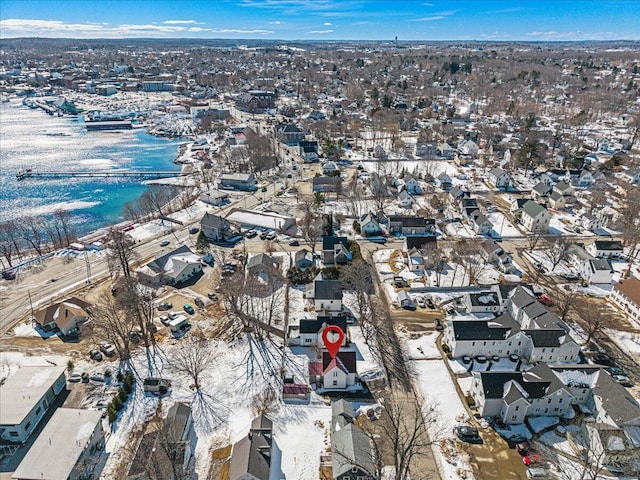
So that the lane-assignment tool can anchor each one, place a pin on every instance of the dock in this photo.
(24, 174)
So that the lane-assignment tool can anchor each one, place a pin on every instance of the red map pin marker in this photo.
(333, 346)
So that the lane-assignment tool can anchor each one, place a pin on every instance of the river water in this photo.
(32, 139)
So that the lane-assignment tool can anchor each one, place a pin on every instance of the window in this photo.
(560, 401)
(307, 340)
(519, 343)
(335, 382)
(517, 407)
(515, 417)
(473, 344)
(26, 427)
(546, 410)
(38, 410)
(549, 400)
(556, 409)
(543, 350)
(13, 434)
(354, 469)
(335, 374)
(484, 344)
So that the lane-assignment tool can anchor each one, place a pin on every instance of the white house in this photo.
(311, 329)
(535, 217)
(338, 373)
(369, 225)
(405, 199)
(468, 147)
(65, 316)
(481, 224)
(172, 268)
(632, 175)
(412, 185)
(25, 397)
(585, 179)
(606, 249)
(326, 295)
(416, 262)
(557, 200)
(68, 447)
(596, 270)
(626, 295)
(591, 222)
(499, 178)
(329, 167)
(443, 181)
(513, 396)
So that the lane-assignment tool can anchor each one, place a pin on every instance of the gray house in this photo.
(251, 456)
(351, 456)
(165, 453)
(215, 228)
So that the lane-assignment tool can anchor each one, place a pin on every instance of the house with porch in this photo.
(351, 456)
(326, 295)
(215, 227)
(65, 316)
(499, 178)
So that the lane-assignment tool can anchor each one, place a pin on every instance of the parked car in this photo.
(212, 296)
(546, 300)
(8, 275)
(172, 315)
(522, 448)
(95, 355)
(467, 434)
(420, 302)
(164, 320)
(165, 306)
(614, 371)
(569, 276)
(263, 236)
(530, 459)
(108, 349)
(430, 304)
(294, 242)
(251, 233)
(438, 324)
(481, 358)
(602, 359)
(194, 230)
(199, 302)
(164, 243)
(271, 234)
(74, 377)
(514, 357)
(537, 472)
(466, 359)
(622, 380)
(189, 309)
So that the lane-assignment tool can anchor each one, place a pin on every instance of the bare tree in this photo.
(193, 358)
(583, 458)
(565, 301)
(63, 218)
(559, 251)
(592, 323)
(311, 223)
(472, 261)
(120, 252)
(407, 429)
(110, 325)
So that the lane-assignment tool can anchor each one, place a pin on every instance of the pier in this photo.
(23, 174)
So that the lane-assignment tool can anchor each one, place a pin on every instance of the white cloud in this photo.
(185, 22)
(327, 24)
(238, 30)
(277, 22)
(435, 16)
(320, 32)
(16, 27)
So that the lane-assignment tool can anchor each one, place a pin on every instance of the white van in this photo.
(537, 472)
(179, 323)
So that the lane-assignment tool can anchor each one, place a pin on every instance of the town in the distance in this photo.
(368, 260)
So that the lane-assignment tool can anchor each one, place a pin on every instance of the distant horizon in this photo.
(324, 20)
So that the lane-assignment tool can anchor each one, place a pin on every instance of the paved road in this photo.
(40, 284)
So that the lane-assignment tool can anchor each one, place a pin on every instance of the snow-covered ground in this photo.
(423, 348)
(538, 424)
(627, 341)
(502, 226)
(438, 388)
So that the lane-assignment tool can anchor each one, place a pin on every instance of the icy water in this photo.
(33, 139)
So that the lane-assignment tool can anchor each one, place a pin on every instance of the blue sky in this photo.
(536, 20)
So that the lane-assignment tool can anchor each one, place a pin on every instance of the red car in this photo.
(530, 459)
(546, 300)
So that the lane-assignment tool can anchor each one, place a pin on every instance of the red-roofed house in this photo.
(338, 373)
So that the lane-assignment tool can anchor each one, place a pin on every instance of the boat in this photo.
(98, 121)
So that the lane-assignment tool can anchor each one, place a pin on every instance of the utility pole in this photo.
(31, 305)
(86, 261)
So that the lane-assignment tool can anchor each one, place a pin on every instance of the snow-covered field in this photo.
(627, 341)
